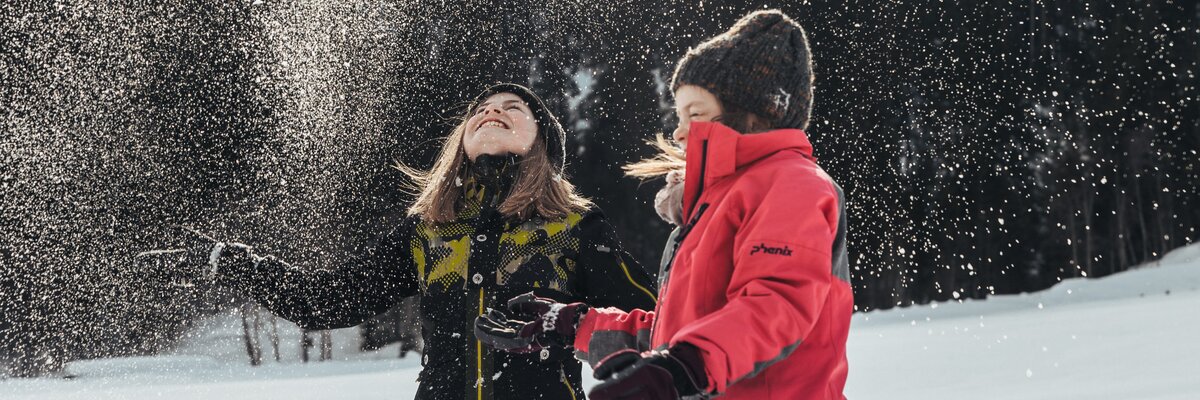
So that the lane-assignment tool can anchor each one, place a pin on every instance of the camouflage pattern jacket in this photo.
(461, 269)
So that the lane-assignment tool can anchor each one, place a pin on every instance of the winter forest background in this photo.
(985, 148)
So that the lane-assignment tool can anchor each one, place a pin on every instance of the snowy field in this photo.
(1135, 335)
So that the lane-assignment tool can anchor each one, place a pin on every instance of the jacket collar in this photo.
(489, 179)
(715, 151)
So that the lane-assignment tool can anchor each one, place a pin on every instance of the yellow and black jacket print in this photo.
(462, 268)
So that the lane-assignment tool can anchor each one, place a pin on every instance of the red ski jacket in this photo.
(759, 281)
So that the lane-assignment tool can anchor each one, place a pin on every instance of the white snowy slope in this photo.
(1134, 335)
(211, 364)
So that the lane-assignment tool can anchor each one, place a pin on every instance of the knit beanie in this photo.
(762, 65)
(548, 126)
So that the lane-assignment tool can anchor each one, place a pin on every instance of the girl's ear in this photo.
(754, 123)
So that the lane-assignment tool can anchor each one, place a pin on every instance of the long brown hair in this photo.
(539, 188)
(671, 157)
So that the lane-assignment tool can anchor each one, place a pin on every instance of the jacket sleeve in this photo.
(619, 290)
(364, 286)
(603, 331)
(781, 275)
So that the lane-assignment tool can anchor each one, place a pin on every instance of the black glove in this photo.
(653, 375)
(536, 323)
(192, 260)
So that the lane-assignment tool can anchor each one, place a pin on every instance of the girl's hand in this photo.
(532, 324)
(192, 261)
(653, 375)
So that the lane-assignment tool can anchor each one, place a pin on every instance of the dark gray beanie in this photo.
(762, 65)
(548, 126)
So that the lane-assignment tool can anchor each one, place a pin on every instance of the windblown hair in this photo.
(539, 190)
(671, 157)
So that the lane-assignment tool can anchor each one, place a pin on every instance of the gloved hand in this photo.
(653, 375)
(668, 203)
(533, 323)
(193, 260)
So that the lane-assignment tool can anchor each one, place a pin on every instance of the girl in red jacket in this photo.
(755, 299)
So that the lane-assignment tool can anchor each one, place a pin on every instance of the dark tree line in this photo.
(985, 149)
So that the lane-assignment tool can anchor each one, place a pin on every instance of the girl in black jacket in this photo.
(494, 219)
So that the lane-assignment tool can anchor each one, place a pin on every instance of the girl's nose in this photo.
(680, 134)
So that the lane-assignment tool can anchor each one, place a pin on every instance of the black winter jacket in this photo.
(462, 268)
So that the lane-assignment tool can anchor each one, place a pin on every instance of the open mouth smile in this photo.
(494, 123)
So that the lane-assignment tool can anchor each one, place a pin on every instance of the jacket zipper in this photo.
(563, 375)
(484, 225)
(683, 233)
(687, 228)
(479, 356)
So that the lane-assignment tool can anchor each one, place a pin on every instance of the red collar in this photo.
(715, 151)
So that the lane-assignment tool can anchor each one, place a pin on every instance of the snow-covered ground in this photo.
(1134, 335)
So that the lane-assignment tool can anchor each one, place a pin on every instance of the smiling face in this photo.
(693, 104)
(501, 124)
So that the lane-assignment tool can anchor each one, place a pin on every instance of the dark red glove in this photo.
(532, 323)
(653, 375)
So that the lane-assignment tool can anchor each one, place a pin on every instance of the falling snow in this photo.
(984, 150)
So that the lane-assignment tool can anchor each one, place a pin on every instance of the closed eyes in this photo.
(509, 106)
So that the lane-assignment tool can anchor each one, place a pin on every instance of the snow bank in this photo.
(1130, 335)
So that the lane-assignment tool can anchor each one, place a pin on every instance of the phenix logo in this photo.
(782, 251)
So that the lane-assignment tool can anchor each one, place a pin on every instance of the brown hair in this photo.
(538, 190)
(670, 157)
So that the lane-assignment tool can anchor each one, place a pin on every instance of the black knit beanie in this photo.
(762, 65)
(548, 126)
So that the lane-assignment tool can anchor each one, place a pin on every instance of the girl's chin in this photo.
(500, 152)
